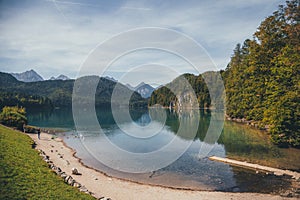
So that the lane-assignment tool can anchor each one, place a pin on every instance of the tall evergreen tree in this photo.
(262, 79)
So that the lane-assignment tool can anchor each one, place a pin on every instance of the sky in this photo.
(112, 38)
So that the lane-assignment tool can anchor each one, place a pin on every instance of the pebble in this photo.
(77, 185)
(67, 178)
(83, 189)
(104, 198)
(75, 171)
(71, 181)
(63, 175)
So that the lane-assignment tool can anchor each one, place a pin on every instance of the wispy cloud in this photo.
(70, 3)
(96, 5)
(135, 8)
(55, 36)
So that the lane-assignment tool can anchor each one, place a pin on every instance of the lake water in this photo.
(188, 171)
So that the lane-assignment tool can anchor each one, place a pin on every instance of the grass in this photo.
(23, 173)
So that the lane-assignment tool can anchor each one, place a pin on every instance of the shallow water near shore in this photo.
(189, 172)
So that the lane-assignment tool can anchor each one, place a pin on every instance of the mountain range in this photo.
(144, 89)
(28, 76)
(33, 76)
(58, 93)
(60, 77)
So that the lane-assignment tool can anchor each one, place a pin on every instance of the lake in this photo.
(188, 171)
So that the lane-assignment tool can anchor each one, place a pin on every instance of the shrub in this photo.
(13, 117)
(30, 129)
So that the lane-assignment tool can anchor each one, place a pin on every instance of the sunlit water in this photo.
(236, 141)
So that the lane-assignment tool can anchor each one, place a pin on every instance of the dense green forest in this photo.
(56, 93)
(164, 96)
(24, 100)
(262, 80)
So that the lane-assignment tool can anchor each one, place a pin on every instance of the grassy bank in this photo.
(24, 175)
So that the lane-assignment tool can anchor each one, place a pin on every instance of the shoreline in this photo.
(101, 184)
(127, 180)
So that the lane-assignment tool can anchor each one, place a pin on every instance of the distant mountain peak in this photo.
(110, 78)
(28, 76)
(130, 86)
(60, 77)
(141, 84)
(144, 89)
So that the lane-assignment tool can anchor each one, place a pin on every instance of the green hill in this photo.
(57, 93)
(178, 91)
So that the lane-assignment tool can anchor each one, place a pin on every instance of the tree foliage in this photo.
(165, 97)
(57, 93)
(262, 79)
(13, 117)
(24, 100)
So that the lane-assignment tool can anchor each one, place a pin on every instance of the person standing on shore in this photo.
(39, 133)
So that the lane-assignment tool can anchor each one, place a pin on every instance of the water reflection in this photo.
(141, 149)
(236, 141)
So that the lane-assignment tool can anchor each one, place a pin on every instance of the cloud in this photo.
(55, 37)
(151, 73)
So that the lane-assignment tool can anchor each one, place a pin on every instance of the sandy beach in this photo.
(103, 186)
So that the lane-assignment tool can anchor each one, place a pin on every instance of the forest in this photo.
(164, 95)
(262, 80)
(56, 93)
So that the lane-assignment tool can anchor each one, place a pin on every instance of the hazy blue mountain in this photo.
(28, 76)
(110, 78)
(145, 90)
(60, 92)
(130, 86)
(60, 77)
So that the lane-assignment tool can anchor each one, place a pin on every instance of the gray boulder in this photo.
(75, 171)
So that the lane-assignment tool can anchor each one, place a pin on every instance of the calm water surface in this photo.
(236, 141)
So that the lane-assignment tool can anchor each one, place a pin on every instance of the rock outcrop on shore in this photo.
(67, 178)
